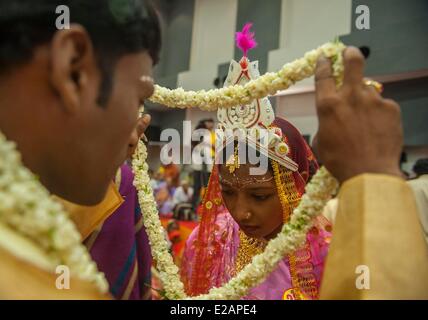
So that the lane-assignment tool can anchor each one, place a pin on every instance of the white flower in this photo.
(254, 273)
(293, 234)
(269, 83)
(26, 206)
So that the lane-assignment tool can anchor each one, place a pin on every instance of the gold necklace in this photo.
(248, 248)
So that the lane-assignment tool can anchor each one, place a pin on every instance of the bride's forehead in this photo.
(245, 172)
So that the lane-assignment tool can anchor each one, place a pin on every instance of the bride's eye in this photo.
(227, 192)
(261, 197)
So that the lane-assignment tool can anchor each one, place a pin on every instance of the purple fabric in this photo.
(118, 249)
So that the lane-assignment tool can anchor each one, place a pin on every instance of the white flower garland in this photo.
(268, 84)
(293, 234)
(168, 271)
(26, 206)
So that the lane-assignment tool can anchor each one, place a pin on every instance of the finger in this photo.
(325, 88)
(324, 80)
(354, 63)
(393, 108)
(143, 123)
(373, 91)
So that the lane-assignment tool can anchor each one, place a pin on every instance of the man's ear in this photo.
(73, 65)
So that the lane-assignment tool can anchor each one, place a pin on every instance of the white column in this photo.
(212, 42)
(300, 110)
(306, 24)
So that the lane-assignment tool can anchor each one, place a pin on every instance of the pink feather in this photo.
(245, 39)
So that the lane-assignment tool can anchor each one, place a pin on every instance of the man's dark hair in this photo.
(421, 167)
(116, 27)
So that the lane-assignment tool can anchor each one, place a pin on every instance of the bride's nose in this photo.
(242, 210)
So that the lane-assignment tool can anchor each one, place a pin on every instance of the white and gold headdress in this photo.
(258, 116)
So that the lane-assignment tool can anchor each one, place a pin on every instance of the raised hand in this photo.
(359, 131)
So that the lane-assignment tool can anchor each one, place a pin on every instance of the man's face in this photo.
(105, 132)
(72, 143)
(97, 139)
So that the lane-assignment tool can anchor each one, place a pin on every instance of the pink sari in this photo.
(211, 250)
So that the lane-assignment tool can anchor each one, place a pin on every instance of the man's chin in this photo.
(91, 200)
(85, 197)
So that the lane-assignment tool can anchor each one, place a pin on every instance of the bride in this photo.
(241, 212)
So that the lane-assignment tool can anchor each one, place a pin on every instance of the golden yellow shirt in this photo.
(376, 226)
(88, 218)
(26, 270)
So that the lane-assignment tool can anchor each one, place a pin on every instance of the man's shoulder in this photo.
(20, 279)
(28, 273)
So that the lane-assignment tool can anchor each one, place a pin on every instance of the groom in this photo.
(69, 99)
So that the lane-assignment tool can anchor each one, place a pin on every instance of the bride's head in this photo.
(261, 203)
(252, 200)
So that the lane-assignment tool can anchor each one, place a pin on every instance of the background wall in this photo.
(398, 44)
(199, 44)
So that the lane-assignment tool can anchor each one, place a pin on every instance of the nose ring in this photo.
(248, 215)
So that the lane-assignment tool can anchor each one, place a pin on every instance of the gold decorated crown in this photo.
(256, 119)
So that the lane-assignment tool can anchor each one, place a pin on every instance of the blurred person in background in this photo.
(419, 186)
